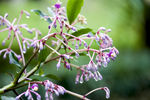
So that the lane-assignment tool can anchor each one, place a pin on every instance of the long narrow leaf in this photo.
(73, 9)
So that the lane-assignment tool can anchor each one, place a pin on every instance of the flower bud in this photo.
(57, 5)
(3, 43)
(66, 56)
(35, 87)
(27, 93)
(107, 92)
(85, 45)
(58, 64)
(81, 79)
(67, 65)
(77, 79)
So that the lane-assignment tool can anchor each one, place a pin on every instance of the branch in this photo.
(22, 70)
(30, 73)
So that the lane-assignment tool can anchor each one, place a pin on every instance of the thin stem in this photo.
(93, 91)
(70, 53)
(20, 17)
(52, 25)
(30, 73)
(77, 95)
(52, 49)
(20, 46)
(66, 45)
(11, 41)
(50, 55)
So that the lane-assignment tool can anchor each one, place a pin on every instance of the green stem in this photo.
(22, 70)
(2, 90)
(30, 73)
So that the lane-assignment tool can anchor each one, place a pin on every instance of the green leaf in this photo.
(7, 98)
(35, 79)
(73, 9)
(40, 13)
(43, 54)
(14, 60)
(41, 72)
(51, 76)
(81, 32)
(49, 20)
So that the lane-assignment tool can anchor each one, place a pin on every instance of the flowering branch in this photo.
(69, 39)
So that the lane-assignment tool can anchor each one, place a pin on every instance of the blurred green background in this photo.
(128, 77)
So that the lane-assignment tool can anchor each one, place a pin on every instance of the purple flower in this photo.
(77, 79)
(61, 89)
(92, 67)
(86, 77)
(85, 45)
(50, 96)
(106, 41)
(80, 43)
(49, 26)
(5, 54)
(27, 14)
(41, 45)
(37, 95)
(46, 96)
(66, 56)
(74, 29)
(89, 35)
(3, 43)
(57, 5)
(27, 93)
(81, 79)
(58, 64)
(18, 97)
(107, 92)
(77, 55)
(76, 46)
(67, 65)
(53, 88)
(34, 87)
(116, 51)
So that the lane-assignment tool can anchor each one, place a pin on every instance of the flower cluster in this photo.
(50, 89)
(14, 31)
(65, 40)
(29, 91)
(102, 56)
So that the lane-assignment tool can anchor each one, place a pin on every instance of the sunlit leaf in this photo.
(40, 13)
(73, 9)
